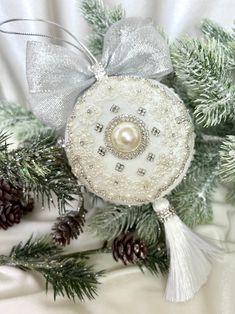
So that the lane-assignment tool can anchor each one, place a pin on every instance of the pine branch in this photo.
(110, 222)
(214, 30)
(69, 275)
(41, 167)
(192, 198)
(100, 19)
(35, 248)
(227, 156)
(204, 69)
(21, 122)
(156, 260)
(4, 137)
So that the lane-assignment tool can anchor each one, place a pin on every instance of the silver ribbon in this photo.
(57, 76)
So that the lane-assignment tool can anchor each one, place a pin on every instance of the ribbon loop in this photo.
(132, 46)
(57, 76)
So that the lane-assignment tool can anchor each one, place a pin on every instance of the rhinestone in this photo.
(165, 214)
(114, 109)
(119, 167)
(102, 151)
(141, 172)
(99, 127)
(155, 131)
(151, 157)
(141, 111)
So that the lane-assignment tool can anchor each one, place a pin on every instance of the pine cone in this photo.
(68, 227)
(12, 205)
(128, 248)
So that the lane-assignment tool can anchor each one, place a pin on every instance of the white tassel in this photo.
(190, 255)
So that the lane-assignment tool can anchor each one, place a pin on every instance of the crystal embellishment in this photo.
(102, 151)
(114, 108)
(150, 157)
(99, 127)
(141, 172)
(141, 111)
(155, 131)
(119, 167)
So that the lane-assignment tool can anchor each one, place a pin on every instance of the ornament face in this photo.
(129, 140)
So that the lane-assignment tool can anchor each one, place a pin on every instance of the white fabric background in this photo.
(122, 290)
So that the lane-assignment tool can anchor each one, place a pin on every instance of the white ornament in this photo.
(140, 140)
(129, 140)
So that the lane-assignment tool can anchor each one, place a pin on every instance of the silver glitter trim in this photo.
(165, 214)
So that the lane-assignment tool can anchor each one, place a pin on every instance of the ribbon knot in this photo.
(98, 71)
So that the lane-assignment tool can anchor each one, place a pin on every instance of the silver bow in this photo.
(57, 76)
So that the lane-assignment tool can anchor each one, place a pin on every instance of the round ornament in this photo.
(129, 140)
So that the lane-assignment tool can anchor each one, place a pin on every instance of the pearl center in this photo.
(126, 137)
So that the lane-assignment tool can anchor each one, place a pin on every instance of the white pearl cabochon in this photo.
(172, 149)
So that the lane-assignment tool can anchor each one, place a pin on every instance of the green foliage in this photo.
(35, 248)
(108, 223)
(156, 260)
(40, 167)
(227, 171)
(71, 278)
(69, 275)
(227, 155)
(192, 198)
(213, 30)
(203, 67)
(100, 18)
(21, 122)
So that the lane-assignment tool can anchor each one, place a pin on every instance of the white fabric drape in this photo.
(123, 290)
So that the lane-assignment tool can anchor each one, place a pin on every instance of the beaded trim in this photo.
(165, 214)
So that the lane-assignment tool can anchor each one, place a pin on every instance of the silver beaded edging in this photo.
(165, 214)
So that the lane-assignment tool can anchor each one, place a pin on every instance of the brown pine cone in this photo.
(10, 214)
(9, 193)
(12, 205)
(128, 248)
(68, 227)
